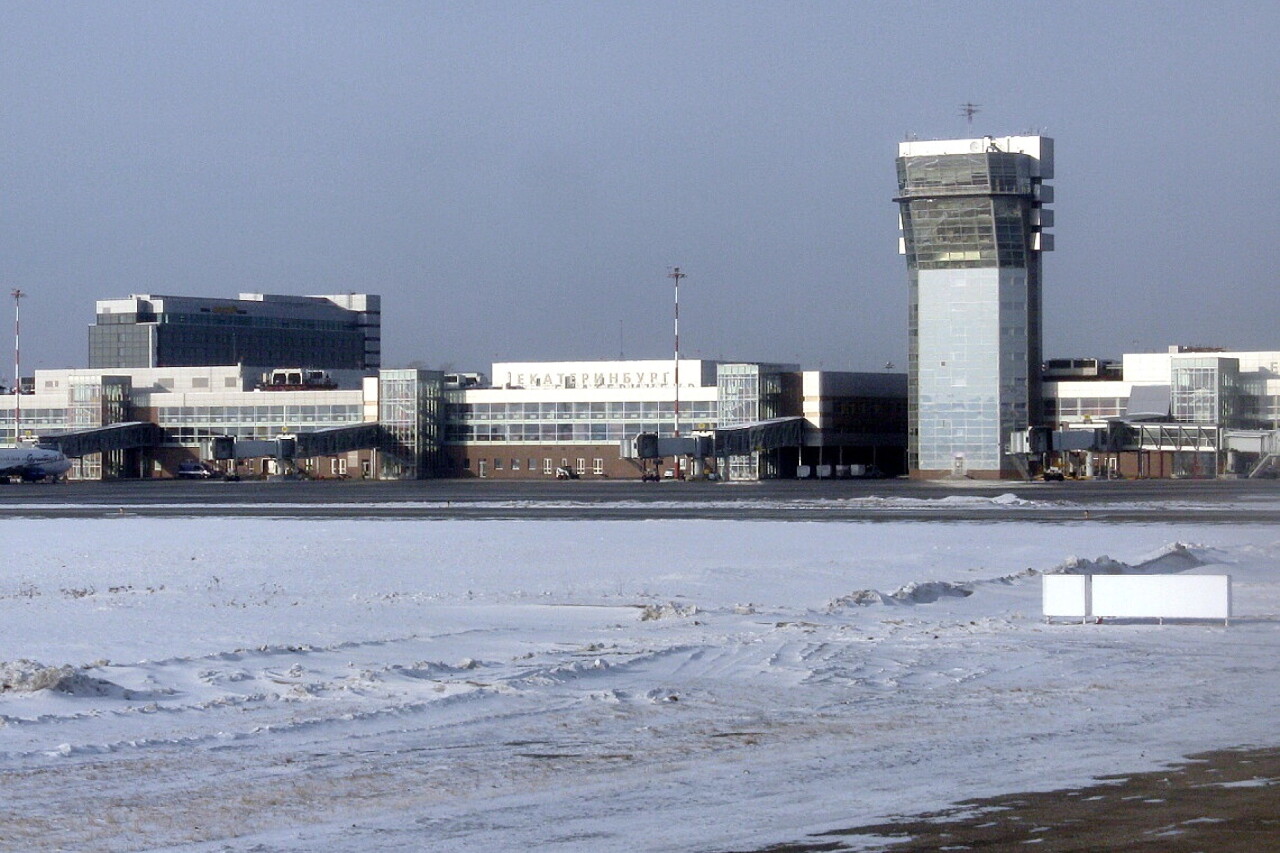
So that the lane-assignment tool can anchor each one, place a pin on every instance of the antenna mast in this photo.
(676, 275)
(17, 369)
(969, 110)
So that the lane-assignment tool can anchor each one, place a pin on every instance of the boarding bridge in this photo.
(760, 436)
(1197, 438)
(1264, 445)
(83, 442)
(336, 440)
(120, 450)
(1270, 454)
(736, 441)
(288, 447)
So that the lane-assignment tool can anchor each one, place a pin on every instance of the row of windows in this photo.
(196, 434)
(693, 410)
(243, 321)
(258, 414)
(965, 232)
(1096, 406)
(35, 417)
(870, 407)
(985, 171)
(547, 467)
(563, 432)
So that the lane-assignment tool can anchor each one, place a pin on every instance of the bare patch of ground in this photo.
(1224, 801)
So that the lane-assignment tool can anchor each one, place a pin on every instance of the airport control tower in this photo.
(973, 215)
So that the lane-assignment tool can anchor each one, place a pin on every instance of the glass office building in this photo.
(972, 217)
(341, 332)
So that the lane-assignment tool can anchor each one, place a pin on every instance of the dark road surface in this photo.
(1211, 501)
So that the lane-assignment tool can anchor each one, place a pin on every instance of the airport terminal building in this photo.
(308, 396)
(537, 417)
(1186, 412)
(535, 420)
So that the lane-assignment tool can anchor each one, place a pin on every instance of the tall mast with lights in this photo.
(676, 275)
(17, 367)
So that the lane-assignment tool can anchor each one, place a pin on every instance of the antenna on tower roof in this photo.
(969, 110)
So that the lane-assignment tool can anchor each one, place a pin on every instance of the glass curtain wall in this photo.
(1206, 390)
(749, 393)
(410, 409)
(96, 403)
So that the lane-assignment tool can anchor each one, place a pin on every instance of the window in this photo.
(597, 466)
(515, 464)
(497, 464)
(582, 466)
(546, 466)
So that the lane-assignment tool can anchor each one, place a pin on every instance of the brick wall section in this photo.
(498, 459)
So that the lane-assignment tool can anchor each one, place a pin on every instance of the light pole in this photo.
(676, 275)
(17, 369)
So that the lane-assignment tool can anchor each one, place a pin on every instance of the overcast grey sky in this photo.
(516, 178)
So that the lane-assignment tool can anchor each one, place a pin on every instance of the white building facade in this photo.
(539, 416)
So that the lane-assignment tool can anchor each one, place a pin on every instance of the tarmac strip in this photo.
(613, 512)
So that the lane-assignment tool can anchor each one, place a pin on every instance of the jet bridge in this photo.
(123, 448)
(760, 436)
(1259, 450)
(289, 447)
(126, 436)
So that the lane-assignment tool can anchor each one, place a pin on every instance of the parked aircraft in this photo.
(32, 464)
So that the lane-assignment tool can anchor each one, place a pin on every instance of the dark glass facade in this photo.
(193, 332)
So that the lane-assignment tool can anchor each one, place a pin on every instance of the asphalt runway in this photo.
(1209, 501)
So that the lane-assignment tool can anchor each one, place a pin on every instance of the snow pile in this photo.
(1173, 558)
(929, 592)
(666, 611)
(1006, 499)
(923, 592)
(28, 676)
(860, 598)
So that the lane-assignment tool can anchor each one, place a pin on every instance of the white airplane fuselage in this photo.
(32, 463)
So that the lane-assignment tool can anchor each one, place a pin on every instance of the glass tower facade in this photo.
(410, 409)
(749, 393)
(972, 216)
(1206, 390)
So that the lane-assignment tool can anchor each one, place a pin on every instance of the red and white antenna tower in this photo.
(676, 275)
(17, 368)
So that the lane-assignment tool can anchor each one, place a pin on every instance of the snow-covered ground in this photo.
(275, 684)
